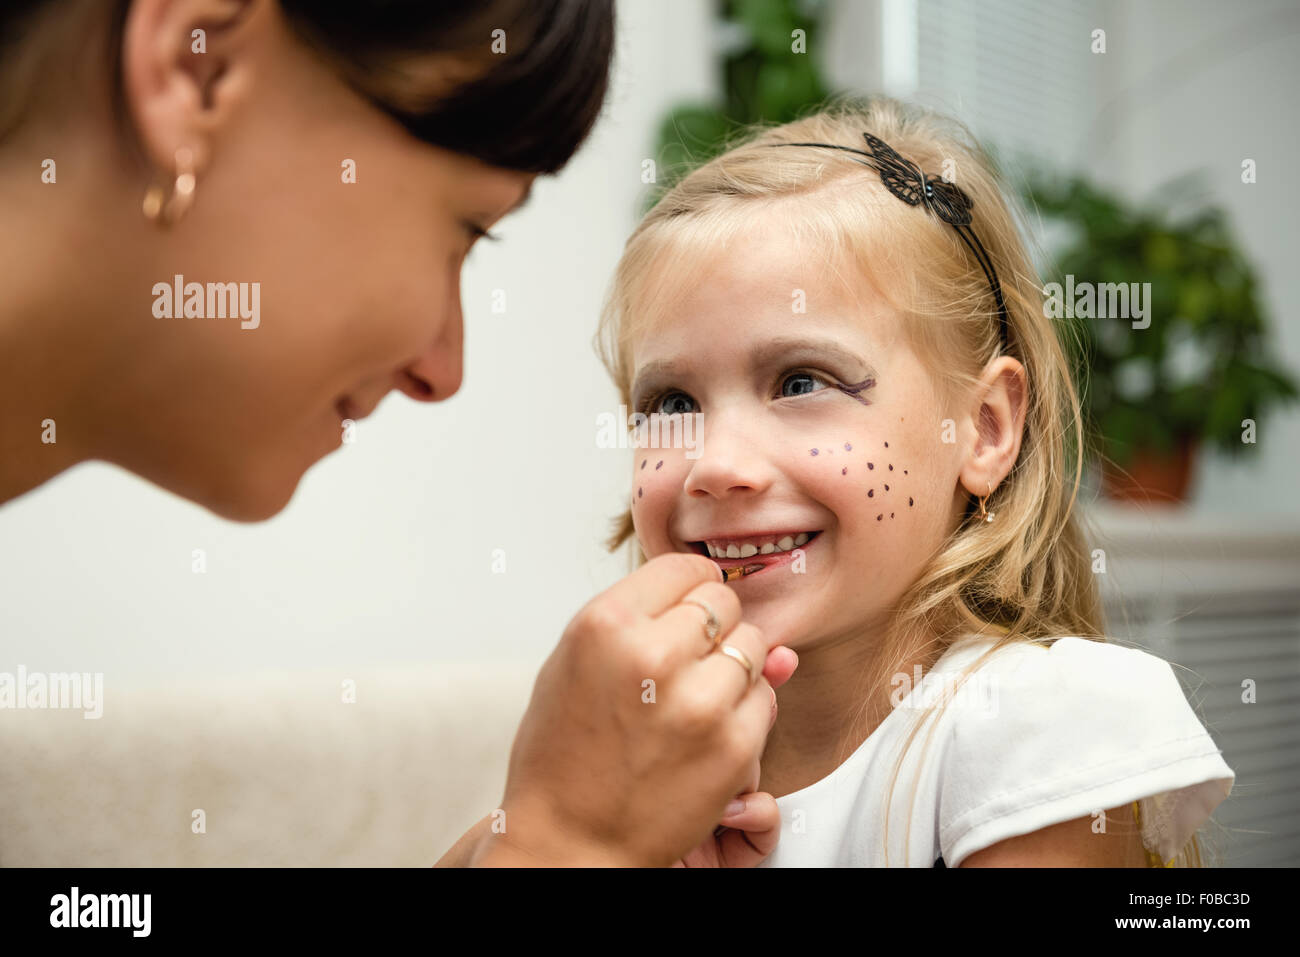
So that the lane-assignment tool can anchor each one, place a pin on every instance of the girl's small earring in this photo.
(987, 516)
(167, 211)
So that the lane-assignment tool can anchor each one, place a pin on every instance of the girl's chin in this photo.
(783, 621)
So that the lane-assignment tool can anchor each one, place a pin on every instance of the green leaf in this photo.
(769, 23)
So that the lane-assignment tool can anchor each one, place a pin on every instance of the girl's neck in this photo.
(826, 711)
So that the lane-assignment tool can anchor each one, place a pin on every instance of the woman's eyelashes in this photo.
(477, 232)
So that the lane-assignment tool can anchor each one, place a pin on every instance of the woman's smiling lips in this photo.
(766, 548)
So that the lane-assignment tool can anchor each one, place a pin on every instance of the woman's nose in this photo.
(438, 373)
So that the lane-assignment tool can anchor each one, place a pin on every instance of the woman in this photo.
(232, 224)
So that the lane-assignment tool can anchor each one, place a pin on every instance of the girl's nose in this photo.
(732, 461)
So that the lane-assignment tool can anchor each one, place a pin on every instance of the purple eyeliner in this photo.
(853, 390)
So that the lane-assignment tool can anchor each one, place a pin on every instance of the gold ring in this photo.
(711, 626)
(735, 653)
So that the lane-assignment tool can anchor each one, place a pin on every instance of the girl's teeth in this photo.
(748, 549)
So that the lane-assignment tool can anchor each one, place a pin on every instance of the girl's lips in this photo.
(770, 560)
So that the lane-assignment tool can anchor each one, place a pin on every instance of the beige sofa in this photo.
(284, 771)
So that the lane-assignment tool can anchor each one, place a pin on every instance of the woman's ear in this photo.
(187, 67)
(998, 416)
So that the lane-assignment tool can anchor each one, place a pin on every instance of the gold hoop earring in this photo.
(987, 516)
(168, 210)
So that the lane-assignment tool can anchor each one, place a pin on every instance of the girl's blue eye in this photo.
(675, 403)
(800, 383)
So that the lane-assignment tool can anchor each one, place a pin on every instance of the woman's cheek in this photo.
(655, 484)
(864, 479)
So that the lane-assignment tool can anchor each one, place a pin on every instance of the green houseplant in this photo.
(769, 75)
(1196, 369)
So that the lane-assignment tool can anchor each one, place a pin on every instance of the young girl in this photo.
(890, 433)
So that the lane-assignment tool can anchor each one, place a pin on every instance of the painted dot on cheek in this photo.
(871, 493)
(643, 462)
(909, 501)
(660, 465)
(879, 517)
(904, 471)
(886, 445)
(871, 465)
(891, 468)
(844, 471)
(847, 447)
(891, 514)
(886, 488)
(639, 492)
(812, 451)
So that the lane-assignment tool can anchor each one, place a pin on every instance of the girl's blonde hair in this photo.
(1025, 577)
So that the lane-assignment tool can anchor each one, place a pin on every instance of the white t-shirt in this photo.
(1042, 733)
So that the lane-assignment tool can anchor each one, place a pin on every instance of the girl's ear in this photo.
(187, 66)
(998, 422)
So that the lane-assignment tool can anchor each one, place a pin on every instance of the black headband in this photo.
(943, 199)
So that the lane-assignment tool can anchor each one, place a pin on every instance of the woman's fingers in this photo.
(683, 629)
(752, 834)
(637, 734)
(725, 675)
(661, 583)
(781, 663)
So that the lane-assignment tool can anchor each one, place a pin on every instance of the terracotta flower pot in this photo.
(1152, 476)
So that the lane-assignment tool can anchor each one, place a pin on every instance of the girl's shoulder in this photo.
(1067, 663)
(1049, 688)
(1054, 729)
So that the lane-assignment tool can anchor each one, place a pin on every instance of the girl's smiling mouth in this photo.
(767, 548)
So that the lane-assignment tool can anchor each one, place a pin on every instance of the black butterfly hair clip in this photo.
(945, 200)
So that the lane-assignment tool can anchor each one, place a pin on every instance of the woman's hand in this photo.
(638, 735)
(749, 829)
(745, 837)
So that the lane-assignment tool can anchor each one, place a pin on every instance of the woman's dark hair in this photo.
(529, 112)
(526, 108)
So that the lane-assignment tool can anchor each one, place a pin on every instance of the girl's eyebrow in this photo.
(765, 354)
(774, 351)
(659, 368)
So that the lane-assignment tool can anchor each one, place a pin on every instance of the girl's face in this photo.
(820, 454)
